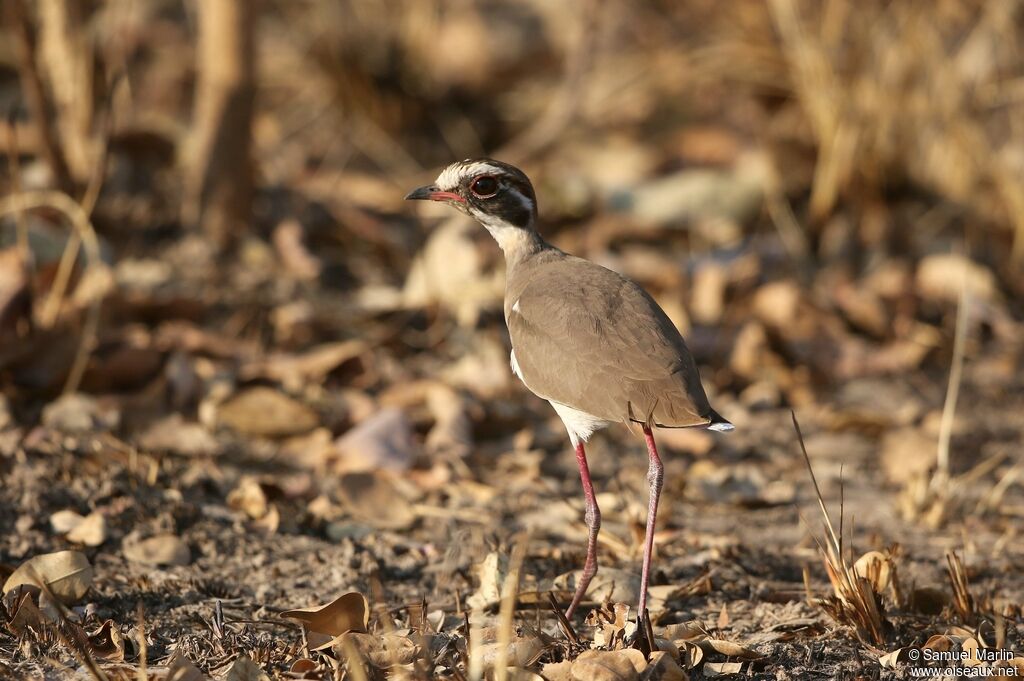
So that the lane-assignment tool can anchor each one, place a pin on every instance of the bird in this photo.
(587, 339)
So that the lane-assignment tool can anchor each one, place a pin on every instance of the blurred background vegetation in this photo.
(213, 296)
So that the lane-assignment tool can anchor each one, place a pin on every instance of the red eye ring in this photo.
(484, 187)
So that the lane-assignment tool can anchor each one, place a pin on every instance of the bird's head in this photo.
(499, 196)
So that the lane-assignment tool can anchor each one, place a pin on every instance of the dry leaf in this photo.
(162, 549)
(295, 257)
(382, 442)
(174, 434)
(608, 584)
(382, 652)
(78, 413)
(302, 666)
(375, 499)
(25, 616)
(520, 651)
(942, 275)
(270, 522)
(265, 412)
(520, 674)
(890, 660)
(971, 647)
(1016, 664)
(68, 574)
(728, 648)
(348, 612)
(940, 643)
(244, 669)
(714, 669)
(64, 521)
(180, 668)
(663, 667)
(491, 573)
(692, 653)
(876, 567)
(107, 642)
(609, 665)
(558, 671)
(708, 297)
(312, 366)
(248, 496)
(92, 531)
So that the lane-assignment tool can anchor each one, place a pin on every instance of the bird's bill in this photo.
(432, 193)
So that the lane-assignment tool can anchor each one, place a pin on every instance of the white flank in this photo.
(515, 365)
(579, 424)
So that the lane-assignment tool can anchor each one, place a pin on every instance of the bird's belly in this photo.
(579, 424)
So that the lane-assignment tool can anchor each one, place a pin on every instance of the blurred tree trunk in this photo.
(66, 59)
(219, 191)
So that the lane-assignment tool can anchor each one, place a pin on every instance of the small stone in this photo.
(79, 413)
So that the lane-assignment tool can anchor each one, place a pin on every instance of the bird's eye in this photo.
(484, 187)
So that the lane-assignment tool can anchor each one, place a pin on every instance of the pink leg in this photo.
(655, 475)
(593, 518)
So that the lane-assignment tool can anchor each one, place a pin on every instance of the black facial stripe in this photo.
(506, 205)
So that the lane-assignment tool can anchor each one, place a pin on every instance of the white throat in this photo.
(509, 237)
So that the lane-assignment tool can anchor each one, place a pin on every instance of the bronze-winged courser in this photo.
(588, 340)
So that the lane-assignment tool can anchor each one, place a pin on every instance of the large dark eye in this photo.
(484, 187)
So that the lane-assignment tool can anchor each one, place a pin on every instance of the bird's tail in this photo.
(720, 424)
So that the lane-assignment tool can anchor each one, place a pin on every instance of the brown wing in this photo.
(591, 339)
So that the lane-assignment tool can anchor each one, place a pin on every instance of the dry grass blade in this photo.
(856, 603)
(955, 376)
(354, 661)
(962, 599)
(143, 675)
(563, 622)
(508, 607)
(79, 220)
(51, 306)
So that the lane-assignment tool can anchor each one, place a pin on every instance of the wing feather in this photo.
(594, 340)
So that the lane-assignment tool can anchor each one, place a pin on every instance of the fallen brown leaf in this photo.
(244, 669)
(265, 412)
(180, 668)
(107, 642)
(68, 575)
(663, 667)
(248, 496)
(716, 669)
(729, 649)
(348, 612)
(382, 652)
(162, 549)
(382, 442)
(92, 531)
(609, 665)
(375, 499)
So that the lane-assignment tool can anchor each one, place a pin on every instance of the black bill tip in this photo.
(421, 193)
